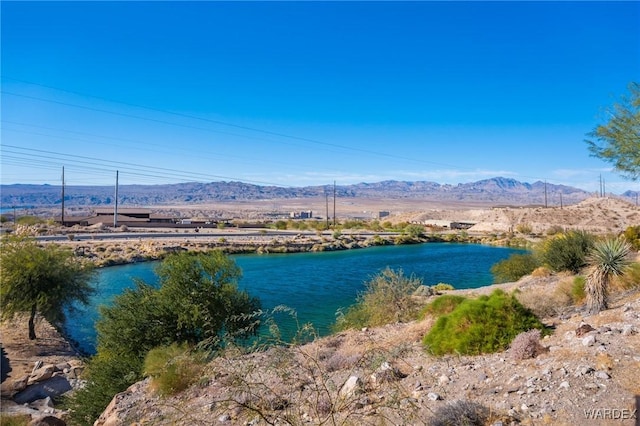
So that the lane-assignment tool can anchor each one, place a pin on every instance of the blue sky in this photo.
(305, 93)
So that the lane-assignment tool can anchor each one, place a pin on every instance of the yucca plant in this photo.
(607, 258)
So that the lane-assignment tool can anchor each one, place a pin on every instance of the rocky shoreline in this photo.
(108, 251)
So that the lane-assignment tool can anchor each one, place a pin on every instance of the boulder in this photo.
(352, 386)
(42, 373)
(53, 387)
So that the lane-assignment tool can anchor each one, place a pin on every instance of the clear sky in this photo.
(305, 93)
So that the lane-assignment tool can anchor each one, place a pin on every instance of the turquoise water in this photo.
(315, 285)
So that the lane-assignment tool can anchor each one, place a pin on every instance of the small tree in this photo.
(608, 258)
(514, 268)
(196, 303)
(45, 280)
(618, 141)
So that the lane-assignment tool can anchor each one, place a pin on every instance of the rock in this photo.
(584, 329)
(47, 421)
(62, 366)
(433, 396)
(628, 330)
(583, 371)
(443, 380)
(564, 385)
(53, 387)
(602, 375)
(386, 373)
(42, 373)
(423, 291)
(42, 404)
(590, 340)
(352, 386)
(36, 366)
(20, 384)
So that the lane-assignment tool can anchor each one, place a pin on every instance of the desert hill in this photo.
(497, 190)
(597, 215)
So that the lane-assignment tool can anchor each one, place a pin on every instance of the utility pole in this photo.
(334, 203)
(600, 186)
(545, 194)
(604, 189)
(62, 215)
(326, 199)
(115, 210)
(561, 200)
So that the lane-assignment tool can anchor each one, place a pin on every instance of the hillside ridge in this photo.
(495, 190)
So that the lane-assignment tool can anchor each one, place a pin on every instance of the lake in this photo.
(315, 285)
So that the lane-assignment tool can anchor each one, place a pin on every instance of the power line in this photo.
(208, 120)
(217, 122)
(189, 152)
(133, 167)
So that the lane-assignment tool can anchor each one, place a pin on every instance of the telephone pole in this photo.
(326, 199)
(62, 215)
(115, 210)
(334, 203)
(600, 186)
(545, 194)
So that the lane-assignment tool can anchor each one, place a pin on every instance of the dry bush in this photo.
(629, 280)
(541, 271)
(526, 345)
(463, 412)
(301, 384)
(544, 304)
(573, 288)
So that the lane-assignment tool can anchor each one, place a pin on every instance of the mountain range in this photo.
(497, 190)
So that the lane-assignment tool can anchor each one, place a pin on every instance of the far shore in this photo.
(117, 248)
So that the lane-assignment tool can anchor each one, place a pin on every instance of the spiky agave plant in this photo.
(607, 258)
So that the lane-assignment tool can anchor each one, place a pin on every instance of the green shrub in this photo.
(568, 251)
(483, 325)
(514, 267)
(524, 228)
(173, 368)
(443, 305)
(387, 298)
(29, 220)
(578, 293)
(632, 235)
(555, 229)
(442, 287)
(107, 374)
(414, 231)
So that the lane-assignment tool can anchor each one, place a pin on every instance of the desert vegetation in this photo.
(483, 325)
(187, 336)
(197, 306)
